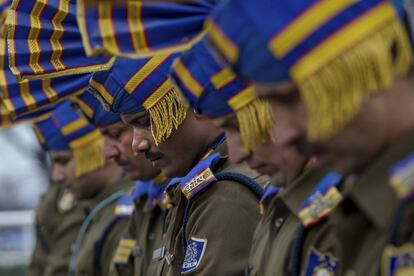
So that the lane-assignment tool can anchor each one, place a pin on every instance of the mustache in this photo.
(152, 155)
(307, 148)
(120, 161)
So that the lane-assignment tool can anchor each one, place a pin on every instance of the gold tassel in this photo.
(255, 122)
(335, 94)
(89, 156)
(166, 115)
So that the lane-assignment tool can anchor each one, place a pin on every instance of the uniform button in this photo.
(151, 236)
(137, 251)
(279, 222)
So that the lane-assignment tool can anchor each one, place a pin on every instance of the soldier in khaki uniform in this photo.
(58, 220)
(184, 145)
(134, 255)
(343, 120)
(79, 165)
(280, 231)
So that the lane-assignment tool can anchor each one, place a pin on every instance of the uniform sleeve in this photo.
(111, 245)
(220, 230)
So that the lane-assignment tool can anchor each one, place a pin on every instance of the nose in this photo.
(235, 147)
(58, 175)
(111, 149)
(140, 142)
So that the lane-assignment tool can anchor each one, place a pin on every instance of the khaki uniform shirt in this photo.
(220, 226)
(366, 219)
(277, 231)
(58, 220)
(140, 250)
(103, 234)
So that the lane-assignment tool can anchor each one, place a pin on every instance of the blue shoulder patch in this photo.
(124, 206)
(200, 176)
(322, 200)
(402, 177)
(321, 264)
(194, 254)
(398, 260)
(141, 189)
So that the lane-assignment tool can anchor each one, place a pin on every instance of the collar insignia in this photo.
(322, 201)
(66, 202)
(200, 176)
(402, 177)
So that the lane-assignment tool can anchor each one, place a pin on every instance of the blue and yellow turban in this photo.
(94, 111)
(337, 52)
(49, 38)
(213, 89)
(133, 86)
(138, 29)
(67, 129)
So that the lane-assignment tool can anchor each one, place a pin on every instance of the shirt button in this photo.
(279, 222)
(151, 236)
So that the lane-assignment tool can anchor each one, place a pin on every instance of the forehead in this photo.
(281, 89)
(60, 154)
(129, 117)
(114, 127)
(222, 120)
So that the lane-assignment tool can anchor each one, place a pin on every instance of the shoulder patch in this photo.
(194, 254)
(200, 176)
(125, 206)
(124, 251)
(402, 177)
(66, 202)
(322, 201)
(321, 264)
(398, 260)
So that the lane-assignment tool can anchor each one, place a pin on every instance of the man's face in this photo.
(346, 151)
(281, 164)
(118, 146)
(64, 173)
(179, 152)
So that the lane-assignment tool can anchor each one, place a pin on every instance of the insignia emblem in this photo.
(193, 254)
(322, 201)
(66, 202)
(198, 182)
(321, 264)
(402, 177)
(398, 261)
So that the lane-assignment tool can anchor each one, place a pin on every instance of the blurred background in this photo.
(23, 179)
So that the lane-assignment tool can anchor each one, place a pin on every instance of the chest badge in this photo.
(194, 254)
(321, 264)
(398, 261)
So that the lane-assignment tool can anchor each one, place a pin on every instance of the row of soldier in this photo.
(279, 143)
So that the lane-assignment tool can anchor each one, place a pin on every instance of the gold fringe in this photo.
(167, 115)
(335, 95)
(89, 157)
(256, 123)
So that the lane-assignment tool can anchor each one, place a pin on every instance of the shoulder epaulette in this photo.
(402, 177)
(269, 193)
(322, 201)
(200, 177)
(124, 206)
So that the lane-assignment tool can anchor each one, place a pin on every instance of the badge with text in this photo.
(194, 254)
(321, 264)
(398, 261)
(322, 201)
